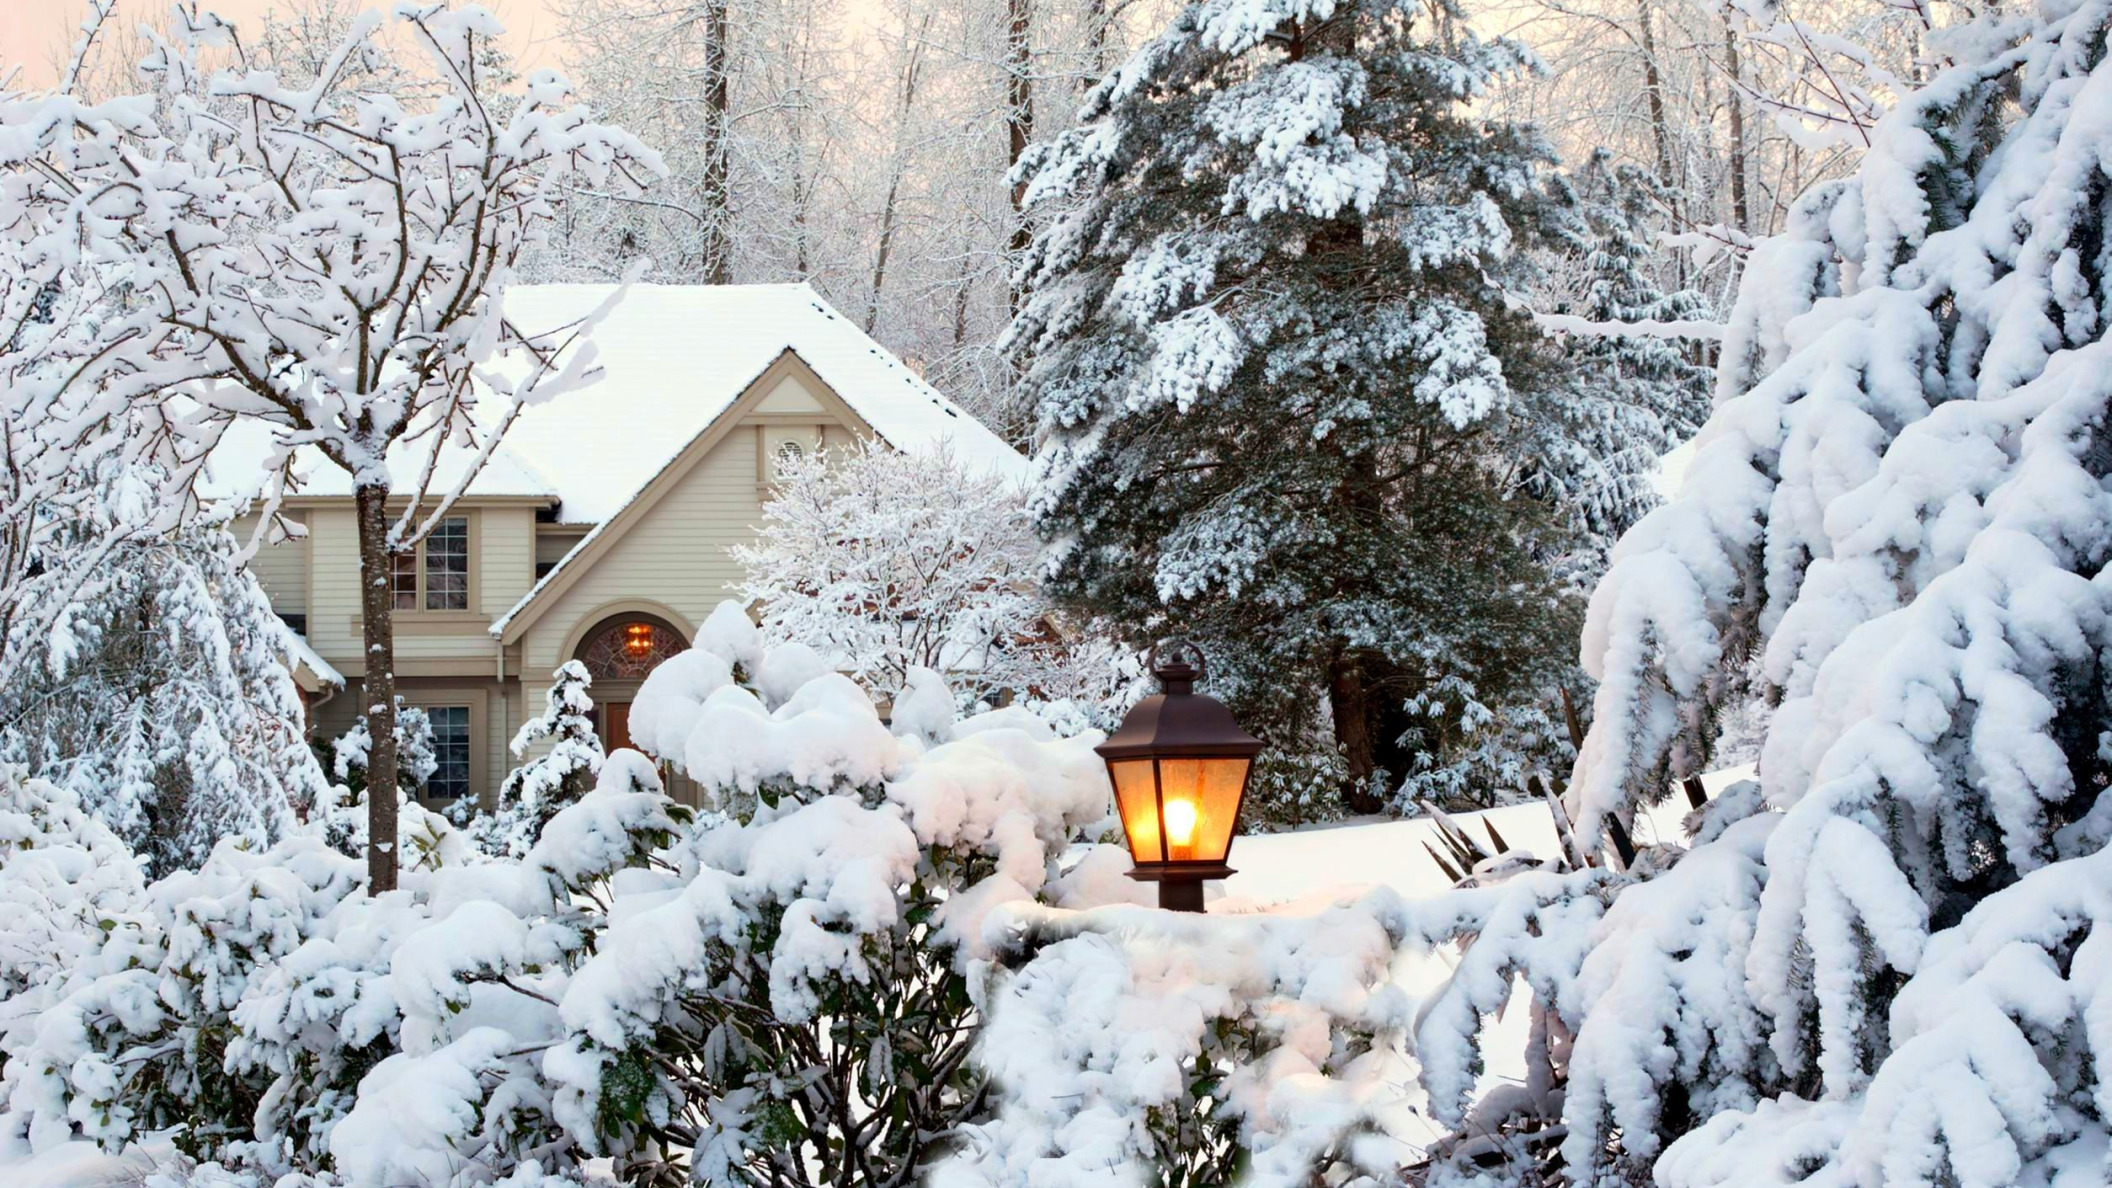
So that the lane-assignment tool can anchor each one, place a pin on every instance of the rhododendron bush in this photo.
(779, 986)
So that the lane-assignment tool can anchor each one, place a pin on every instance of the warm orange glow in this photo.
(1180, 823)
(638, 639)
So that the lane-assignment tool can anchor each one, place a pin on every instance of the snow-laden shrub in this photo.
(289, 1022)
(1135, 1047)
(138, 1039)
(779, 988)
(792, 1005)
(69, 881)
(415, 761)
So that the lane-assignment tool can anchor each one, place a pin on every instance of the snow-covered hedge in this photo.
(778, 986)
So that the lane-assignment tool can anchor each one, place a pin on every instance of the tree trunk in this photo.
(1350, 700)
(1096, 22)
(718, 242)
(1654, 91)
(378, 685)
(1336, 249)
(906, 98)
(1660, 129)
(1741, 215)
(1019, 117)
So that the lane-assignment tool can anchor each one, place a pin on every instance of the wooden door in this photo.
(615, 725)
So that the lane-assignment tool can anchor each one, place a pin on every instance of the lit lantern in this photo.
(638, 640)
(1179, 766)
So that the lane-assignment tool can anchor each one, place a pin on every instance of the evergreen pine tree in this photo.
(535, 791)
(1283, 398)
(1897, 533)
(1629, 397)
(160, 695)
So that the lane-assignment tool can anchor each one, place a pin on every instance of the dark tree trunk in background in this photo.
(718, 241)
(1741, 211)
(1019, 115)
(1349, 697)
(1337, 250)
(378, 684)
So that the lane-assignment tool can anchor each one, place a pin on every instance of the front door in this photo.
(615, 725)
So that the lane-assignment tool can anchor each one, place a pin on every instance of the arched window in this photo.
(628, 647)
(789, 456)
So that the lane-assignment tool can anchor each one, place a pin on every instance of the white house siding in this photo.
(333, 603)
(676, 555)
(282, 568)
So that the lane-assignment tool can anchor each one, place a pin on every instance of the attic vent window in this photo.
(789, 456)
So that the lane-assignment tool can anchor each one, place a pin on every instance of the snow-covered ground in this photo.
(1322, 861)
(1281, 866)
(83, 1165)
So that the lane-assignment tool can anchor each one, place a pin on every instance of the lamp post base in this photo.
(1180, 883)
(1181, 895)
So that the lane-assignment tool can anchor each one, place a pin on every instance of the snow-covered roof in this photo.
(305, 656)
(675, 358)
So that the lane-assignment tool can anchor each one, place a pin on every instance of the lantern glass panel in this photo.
(1137, 800)
(1201, 806)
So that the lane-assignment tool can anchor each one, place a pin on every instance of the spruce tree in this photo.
(535, 791)
(1282, 395)
(159, 693)
(1629, 396)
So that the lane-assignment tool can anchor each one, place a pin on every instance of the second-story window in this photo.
(433, 576)
(403, 580)
(447, 565)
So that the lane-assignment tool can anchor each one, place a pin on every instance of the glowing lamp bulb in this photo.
(1180, 822)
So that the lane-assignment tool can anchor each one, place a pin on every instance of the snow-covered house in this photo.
(598, 530)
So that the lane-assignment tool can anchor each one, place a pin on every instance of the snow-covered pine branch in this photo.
(150, 676)
(1896, 527)
(321, 267)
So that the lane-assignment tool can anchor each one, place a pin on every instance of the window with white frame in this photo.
(433, 576)
(450, 752)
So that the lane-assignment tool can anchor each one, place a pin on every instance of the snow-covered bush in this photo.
(1137, 1047)
(793, 1005)
(138, 1039)
(781, 988)
(884, 561)
(415, 760)
(536, 790)
(68, 881)
(290, 1022)
(157, 688)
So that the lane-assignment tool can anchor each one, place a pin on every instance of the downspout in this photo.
(498, 650)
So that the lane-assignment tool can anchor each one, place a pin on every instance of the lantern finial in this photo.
(1178, 664)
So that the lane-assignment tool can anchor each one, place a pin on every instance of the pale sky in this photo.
(33, 32)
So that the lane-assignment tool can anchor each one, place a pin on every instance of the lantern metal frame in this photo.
(1179, 723)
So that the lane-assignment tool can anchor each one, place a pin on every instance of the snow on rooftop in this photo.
(674, 358)
(303, 654)
(239, 460)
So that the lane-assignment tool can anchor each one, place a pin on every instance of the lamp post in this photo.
(1179, 766)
